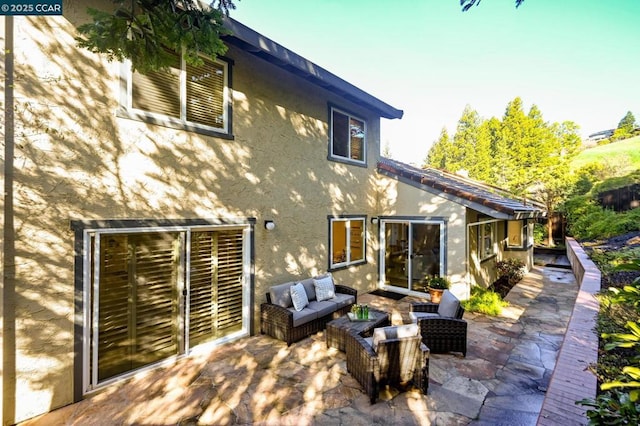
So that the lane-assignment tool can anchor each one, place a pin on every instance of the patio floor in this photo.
(259, 380)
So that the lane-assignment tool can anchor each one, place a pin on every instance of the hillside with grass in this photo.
(623, 155)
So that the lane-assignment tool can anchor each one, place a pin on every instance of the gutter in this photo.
(255, 43)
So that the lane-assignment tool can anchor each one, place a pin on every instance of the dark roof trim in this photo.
(486, 199)
(250, 41)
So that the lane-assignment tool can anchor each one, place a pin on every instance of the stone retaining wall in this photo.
(572, 380)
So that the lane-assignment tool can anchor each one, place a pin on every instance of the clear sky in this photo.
(577, 60)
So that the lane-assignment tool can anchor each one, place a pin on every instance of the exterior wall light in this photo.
(269, 225)
(374, 220)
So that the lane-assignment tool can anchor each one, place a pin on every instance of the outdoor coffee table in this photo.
(338, 329)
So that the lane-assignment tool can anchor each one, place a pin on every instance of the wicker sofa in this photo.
(280, 319)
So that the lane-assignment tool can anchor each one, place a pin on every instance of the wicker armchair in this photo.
(395, 361)
(441, 334)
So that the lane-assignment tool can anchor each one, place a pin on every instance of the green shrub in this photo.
(612, 408)
(618, 366)
(512, 269)
(539, 233)
(484, 301)
(439, 283)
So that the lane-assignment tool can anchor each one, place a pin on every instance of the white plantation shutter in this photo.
(158, 92)
(137, 316)
(139, 313)
(205, 94)
(215, 284)
(199, 97)
(230, 281)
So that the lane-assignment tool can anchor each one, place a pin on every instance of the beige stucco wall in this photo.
(401, 199)
(483, 272)
(76, 160)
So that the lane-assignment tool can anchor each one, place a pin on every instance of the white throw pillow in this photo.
(448, 305)
(325, 289)
(299, 297)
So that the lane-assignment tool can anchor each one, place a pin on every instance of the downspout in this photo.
(7, 288)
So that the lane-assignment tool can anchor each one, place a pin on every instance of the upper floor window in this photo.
(184, 97)
(347, 237)
(348, 141)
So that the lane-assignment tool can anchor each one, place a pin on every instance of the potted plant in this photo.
(437, 285)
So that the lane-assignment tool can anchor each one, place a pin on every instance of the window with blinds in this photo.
(156, 294)
(195, 96)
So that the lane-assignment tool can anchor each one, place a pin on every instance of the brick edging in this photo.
(572, 380)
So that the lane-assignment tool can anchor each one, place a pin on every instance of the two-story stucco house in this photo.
(145, 216)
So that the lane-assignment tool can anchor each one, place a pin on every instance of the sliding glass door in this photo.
(412, 251)
(154, 294)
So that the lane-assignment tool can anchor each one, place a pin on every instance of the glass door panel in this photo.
(425, 254)
(396, 247)
(412, 252)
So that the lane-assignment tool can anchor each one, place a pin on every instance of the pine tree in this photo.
(628, 123)
(509, 146)
(438, 155)
(464, 142)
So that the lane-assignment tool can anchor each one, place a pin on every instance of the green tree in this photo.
(440, 151)
(468, 4)
(463, 150)
(625, 128)
(143, 30)
(483, 166)
(628, 122)
(513, 155)
(386, 150)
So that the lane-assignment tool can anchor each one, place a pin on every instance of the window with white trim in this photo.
(153, 293)
(348, 137)
(486, 240)
(184, 96)
(347, 241)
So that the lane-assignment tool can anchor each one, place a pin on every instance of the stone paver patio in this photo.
(259, 380)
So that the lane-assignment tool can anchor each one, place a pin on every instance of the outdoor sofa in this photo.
(285, 320)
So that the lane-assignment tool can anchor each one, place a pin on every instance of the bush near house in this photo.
(510, 272)
(484, 301)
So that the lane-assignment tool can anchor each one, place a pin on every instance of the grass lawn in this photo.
(624, 154)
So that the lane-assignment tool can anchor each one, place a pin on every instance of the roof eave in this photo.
(255, 43)
(488, 207)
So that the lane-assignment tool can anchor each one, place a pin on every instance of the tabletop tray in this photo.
(352, 317)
